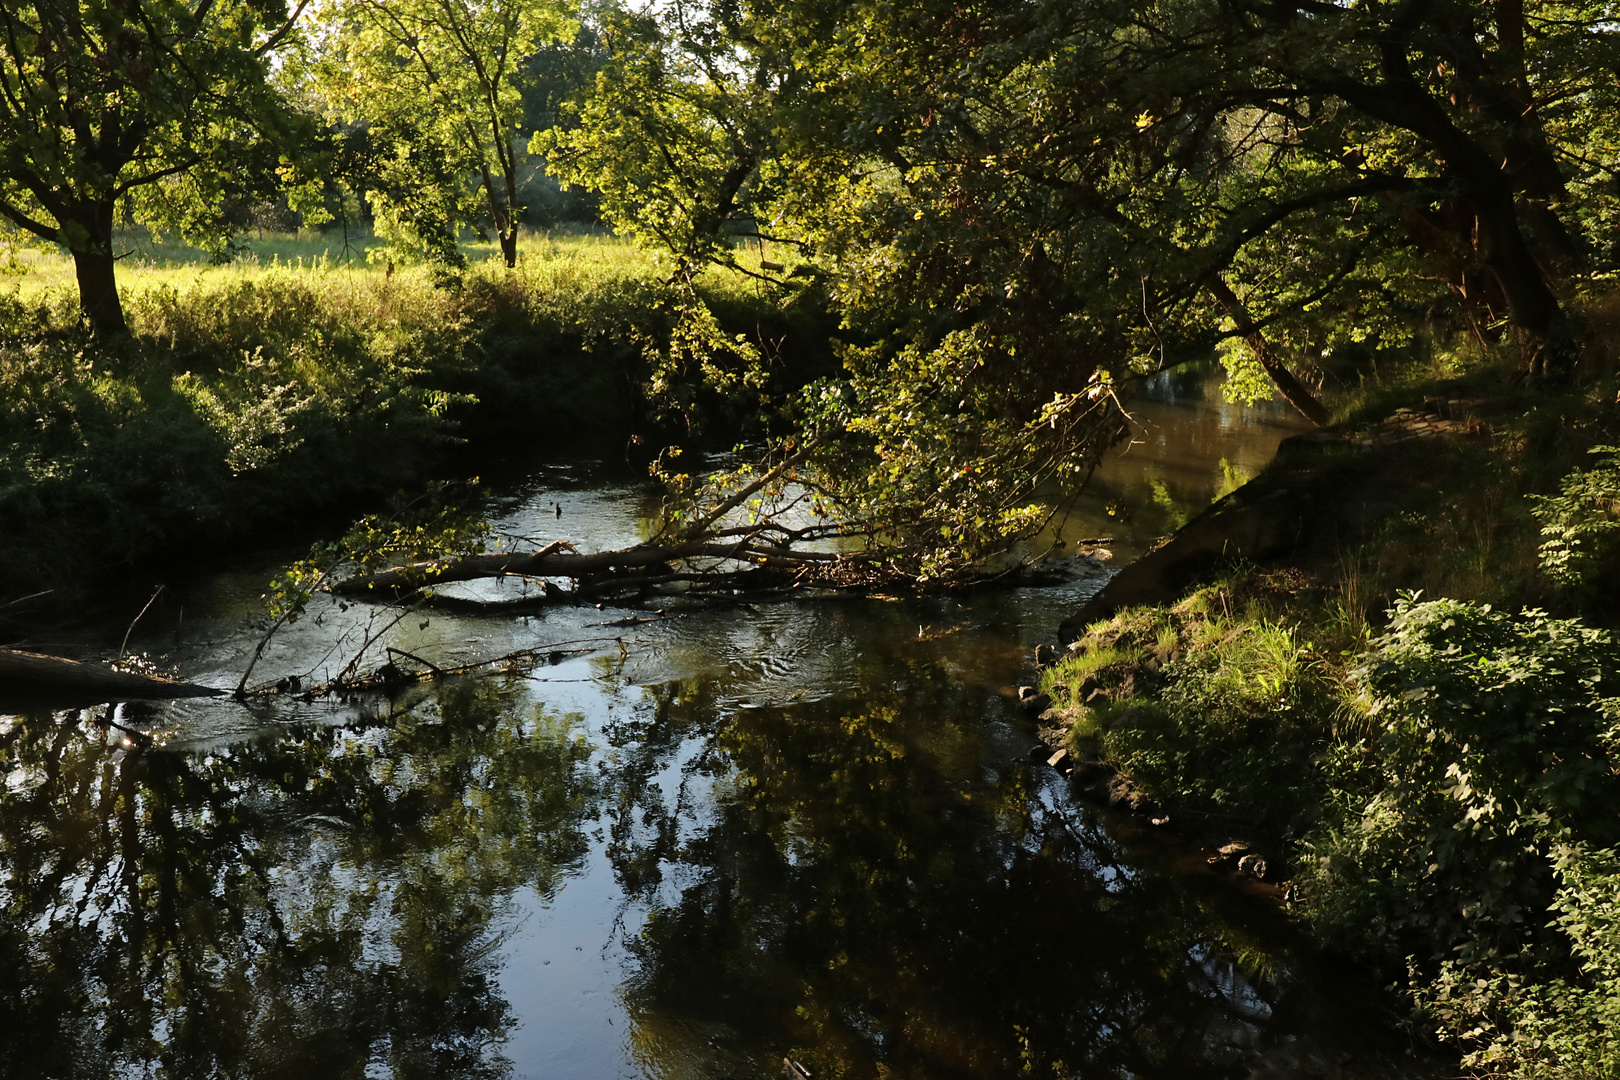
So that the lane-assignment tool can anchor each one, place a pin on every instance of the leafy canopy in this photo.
(153, 109)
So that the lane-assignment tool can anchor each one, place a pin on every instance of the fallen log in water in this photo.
(599, 571)
(39, 676)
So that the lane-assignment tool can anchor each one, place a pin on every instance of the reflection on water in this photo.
(866, 882)
(802, 830)
(1188, 447)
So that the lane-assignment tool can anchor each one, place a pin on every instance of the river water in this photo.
(685, 848)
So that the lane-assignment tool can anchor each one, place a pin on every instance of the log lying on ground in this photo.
(36, 674)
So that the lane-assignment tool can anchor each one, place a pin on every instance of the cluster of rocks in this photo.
(1239, 856)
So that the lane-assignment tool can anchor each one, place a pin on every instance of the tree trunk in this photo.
(98, 291)
(1292, 390)
(54, 682)
(509, 245)
(93, 265)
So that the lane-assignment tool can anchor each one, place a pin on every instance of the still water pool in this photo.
(685, 848)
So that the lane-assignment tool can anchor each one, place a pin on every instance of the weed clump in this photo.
(1215, 715)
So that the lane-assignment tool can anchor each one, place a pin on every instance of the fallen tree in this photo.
(36, 677)
(633, 569)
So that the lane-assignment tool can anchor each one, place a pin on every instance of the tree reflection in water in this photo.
(863, 885)
(295, 907)
(866, 883)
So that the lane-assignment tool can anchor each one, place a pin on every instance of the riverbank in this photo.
(252, 396)
(1388, 665)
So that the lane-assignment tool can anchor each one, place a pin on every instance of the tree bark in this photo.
(98, 291)
(1292, 390)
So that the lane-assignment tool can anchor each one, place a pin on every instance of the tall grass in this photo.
(253, 392)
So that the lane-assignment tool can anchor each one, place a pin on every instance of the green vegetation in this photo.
(1010, 212)
(1441, 776)
(249, 394)
(436, 83)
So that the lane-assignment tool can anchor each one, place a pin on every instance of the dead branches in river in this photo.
(722, 567)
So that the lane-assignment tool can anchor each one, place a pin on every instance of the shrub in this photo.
(1578, 525)
(1565, 1028)
(1496, 748)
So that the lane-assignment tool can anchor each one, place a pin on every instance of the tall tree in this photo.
(440, 78)
(678, 135)
(149, 106)
(1019, 204)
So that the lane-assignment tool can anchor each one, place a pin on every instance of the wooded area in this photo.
(990, 221)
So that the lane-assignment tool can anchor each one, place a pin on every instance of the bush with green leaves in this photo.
(1578, 525)
(1496, 748)
(1561, 1028)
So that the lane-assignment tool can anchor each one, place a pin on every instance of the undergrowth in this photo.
(1438, 767)
(241, 399)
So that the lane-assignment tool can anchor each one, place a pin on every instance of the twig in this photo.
(412, 656)
(137, 619)
(25, 599)
(258, 651)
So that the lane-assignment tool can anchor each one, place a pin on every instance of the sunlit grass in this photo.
(31, 272)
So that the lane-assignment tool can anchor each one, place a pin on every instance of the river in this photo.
(686, 848)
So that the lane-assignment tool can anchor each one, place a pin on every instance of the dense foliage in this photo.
(153, 110)
(266, 396)
(1021, 206)
(1444, 789)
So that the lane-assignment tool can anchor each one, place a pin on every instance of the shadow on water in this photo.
(809, 830)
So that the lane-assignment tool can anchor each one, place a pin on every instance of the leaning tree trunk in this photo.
(1292, 390)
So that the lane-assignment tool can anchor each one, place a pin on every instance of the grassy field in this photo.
(287, 381)
(29, 270)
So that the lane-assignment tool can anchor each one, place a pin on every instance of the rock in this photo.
(1057, 760)
(1032, 700)
(1254, 866)
(1235, 849)
(1045, 655)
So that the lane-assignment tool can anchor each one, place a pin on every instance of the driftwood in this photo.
(34, 676)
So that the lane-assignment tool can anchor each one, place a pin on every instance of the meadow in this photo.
(291, 380)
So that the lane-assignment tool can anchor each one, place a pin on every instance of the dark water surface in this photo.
(684, 849)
